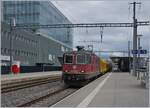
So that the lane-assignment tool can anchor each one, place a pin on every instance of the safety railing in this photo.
(143, 75)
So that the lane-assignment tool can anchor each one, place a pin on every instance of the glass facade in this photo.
(39, 12)
(22, 11)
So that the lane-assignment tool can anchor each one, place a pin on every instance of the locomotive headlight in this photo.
(66, 70)
(82, 71)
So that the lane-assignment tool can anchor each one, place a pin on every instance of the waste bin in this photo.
(16, 67)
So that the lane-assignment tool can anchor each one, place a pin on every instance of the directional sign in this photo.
(139, 51)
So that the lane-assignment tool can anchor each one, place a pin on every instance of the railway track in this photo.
(8, 87)
(56, 93)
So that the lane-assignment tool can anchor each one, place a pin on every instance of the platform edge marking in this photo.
(54, 105)
(90, 97)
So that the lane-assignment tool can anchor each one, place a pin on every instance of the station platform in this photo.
(21, 76)
(111, 90)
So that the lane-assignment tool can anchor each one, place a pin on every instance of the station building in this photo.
(29, 48)
(39, 13)
(35, 46)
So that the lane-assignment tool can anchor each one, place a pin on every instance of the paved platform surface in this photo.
(110, 90)
(28, 75)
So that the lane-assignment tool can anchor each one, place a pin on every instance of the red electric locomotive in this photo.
(79, 67)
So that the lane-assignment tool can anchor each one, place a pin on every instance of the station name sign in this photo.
(139, 51)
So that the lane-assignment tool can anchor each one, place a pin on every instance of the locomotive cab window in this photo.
(88, 58)
(81, 59)
(68, 59)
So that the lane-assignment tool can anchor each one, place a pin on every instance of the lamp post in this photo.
(12, 25)
(129, 56)
(139, 48)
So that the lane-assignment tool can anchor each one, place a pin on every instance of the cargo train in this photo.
(79, 67)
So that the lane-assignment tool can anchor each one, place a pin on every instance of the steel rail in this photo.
(24, 80)
(26, 104)
(27, 84)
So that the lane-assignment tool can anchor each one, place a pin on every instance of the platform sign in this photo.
(134, 51)
(7, 58)
(143, 51)
(139, 51)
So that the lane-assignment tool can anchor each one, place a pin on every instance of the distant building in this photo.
(35, 46)
(29, 48)
(1, 5)
(39, 12)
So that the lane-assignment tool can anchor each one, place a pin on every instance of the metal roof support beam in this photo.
(29, 26)
(112, 51)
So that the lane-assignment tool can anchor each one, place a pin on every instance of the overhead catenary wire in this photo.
(86, 31)
(101, 33)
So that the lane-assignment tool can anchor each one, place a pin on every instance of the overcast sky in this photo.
(105, 11)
